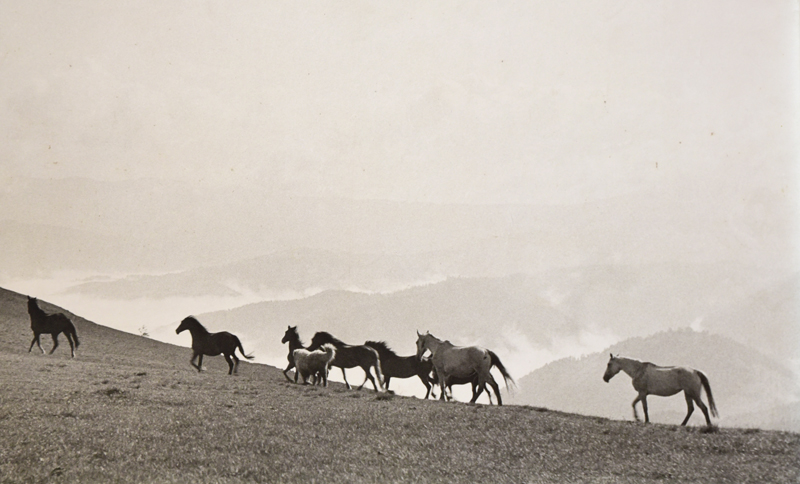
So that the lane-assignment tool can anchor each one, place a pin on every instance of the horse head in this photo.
(189, 323)
(612, 369)
(33, 303)
(422, 343)
(290, 335)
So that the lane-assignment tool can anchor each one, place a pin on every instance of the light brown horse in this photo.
(663, 381)
(459, 362)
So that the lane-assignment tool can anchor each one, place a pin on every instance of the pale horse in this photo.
(663, 381)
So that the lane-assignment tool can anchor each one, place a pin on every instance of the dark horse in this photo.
(348, 356)
(293, 338)
(396, 366)
(53, 324)
(212, 344)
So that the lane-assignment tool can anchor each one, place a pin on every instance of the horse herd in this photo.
(446, 366)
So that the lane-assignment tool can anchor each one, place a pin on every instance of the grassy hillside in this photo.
(129, 409)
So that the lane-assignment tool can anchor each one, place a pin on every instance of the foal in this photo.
(314, 363)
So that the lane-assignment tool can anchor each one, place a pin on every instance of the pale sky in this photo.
(517, 102)
(163, 136)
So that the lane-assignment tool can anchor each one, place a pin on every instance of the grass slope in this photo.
(128, 409)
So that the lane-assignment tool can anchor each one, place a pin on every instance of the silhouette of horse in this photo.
(394, 366)
(476, 389)
(452, 361)
(314, 363)
(53, 324)
(348, 356)
(663, 381)
(212, 344)
(293, 338)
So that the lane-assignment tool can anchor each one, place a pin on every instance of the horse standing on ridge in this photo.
(476, 389)
(292, 337)
(212, 344)
(53, 324)
(396, 366)
(460, 362)
(663, 381)
(348, 356)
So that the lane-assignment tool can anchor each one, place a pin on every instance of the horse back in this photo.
(667, 380)
(351, 356)
(52, 323)
(462, 361)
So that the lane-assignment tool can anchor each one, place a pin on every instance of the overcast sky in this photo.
(517, 102)
(620, 131)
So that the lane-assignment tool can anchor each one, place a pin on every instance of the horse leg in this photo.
(230, 363)
(35, 340)
(55, 342)
(71, 346)
(689, 407)
(644, 406)
(386, 382)
(344, 375)
(704, 409)
(286, 371)
(635, 401)
(496, 389)
(235, 363)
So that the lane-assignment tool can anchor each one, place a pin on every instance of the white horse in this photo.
(315, 363)
(460, 362)
(663, 381)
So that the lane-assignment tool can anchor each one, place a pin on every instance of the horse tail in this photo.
(496, 362)
(707, 388)
(74, 333)
(241, 350)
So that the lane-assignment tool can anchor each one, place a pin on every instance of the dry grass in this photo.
(142, 414)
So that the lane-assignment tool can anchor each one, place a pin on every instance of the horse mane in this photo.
(381, 347)
(329, 338)
(194, 322)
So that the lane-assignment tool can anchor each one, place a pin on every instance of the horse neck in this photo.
(198, 331)
(295, 343)
(630, 366)
(433, 343)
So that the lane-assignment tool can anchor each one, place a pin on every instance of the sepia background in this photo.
(547, 180)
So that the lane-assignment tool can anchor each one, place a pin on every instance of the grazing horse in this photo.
(348, 356)
(452, 361)
(396, 366)
(212, 344)
(663, 381)
(314, 363)
(52, 324)
(476, 390)
(293, 338)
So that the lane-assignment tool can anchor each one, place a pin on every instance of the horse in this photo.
(452, 361)
(212, 344)
(293, 338)
(476, 389)
(53, 324)
(348, 356)
(663, 381)
(314, 363)
(396, 366)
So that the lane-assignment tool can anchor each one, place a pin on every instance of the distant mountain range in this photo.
(537, 318)
(750, 389)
